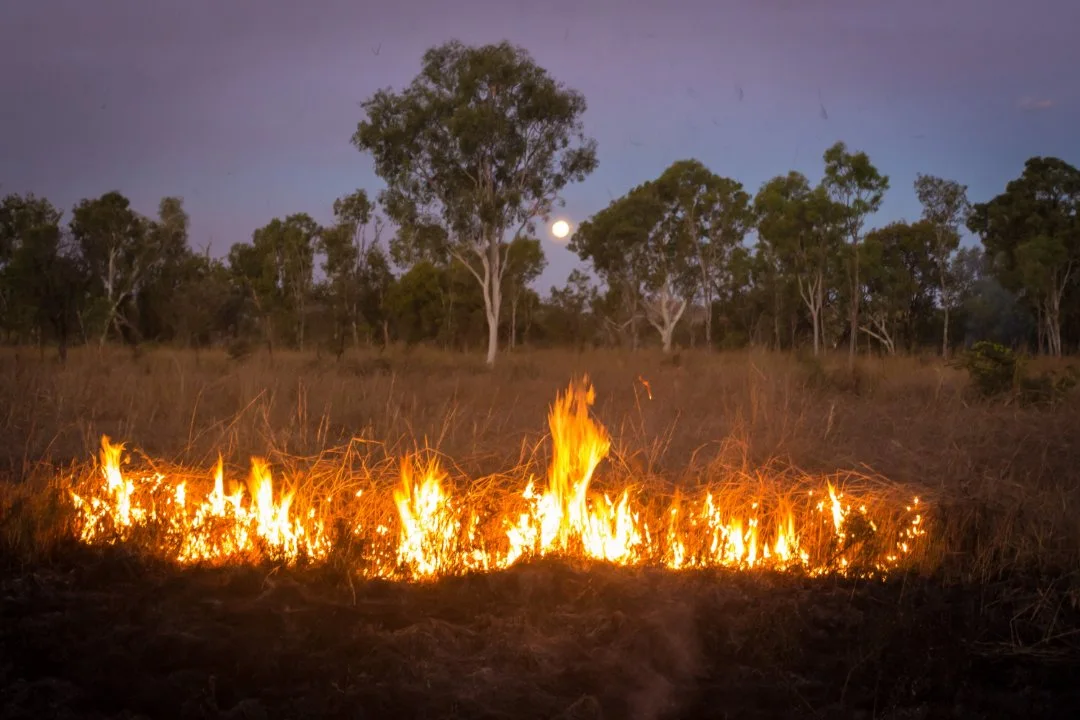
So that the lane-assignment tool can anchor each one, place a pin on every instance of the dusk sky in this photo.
(245, 108)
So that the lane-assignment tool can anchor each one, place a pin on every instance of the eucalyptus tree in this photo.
(115, 245)
(1032, 234)
(640, 243)
(945, 207)
(714, 213)
(482, 141)
(853, 182)
(799, 225)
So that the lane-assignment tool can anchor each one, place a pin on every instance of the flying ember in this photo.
(424, 524)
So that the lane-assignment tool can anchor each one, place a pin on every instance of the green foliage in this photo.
(481, 142)
(1032, 233)
(994, 369)
(899, 281)
(799, 228)
(859, 188)
(476, 150)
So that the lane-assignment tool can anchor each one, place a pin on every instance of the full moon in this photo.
(560, 229)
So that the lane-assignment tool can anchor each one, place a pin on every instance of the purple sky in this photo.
(245, 107)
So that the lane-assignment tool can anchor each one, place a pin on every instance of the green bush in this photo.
(996, 370)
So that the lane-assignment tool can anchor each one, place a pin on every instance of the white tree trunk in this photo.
(880, 332)
(812, 295)
(663, 313)
(492, 303)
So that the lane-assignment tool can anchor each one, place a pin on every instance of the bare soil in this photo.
(108, 635)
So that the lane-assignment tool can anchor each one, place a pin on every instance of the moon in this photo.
(560, 229)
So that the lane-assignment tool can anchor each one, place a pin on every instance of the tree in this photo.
(569, 310)
(357, 269)
(482, 140)
(172, 264)
(853, 182)
(899, 277)
(525, 262)
(639, 245)
(945, 207)
(115, 247)
(714, 212)
(285, 259)
(415, 301)
(800, 227)
(42, 282)
(202, 297)
(1032, 234)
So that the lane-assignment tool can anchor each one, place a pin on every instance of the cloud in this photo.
(1030, 103)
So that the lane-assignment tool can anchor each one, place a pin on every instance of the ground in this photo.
(112, 637)
(990, 628)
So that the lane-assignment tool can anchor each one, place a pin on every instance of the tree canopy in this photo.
(482, 141)
(475, 152)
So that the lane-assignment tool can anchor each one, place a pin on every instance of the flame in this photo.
(645, 383)
(442, 532)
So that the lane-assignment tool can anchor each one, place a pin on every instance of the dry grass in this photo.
(1005, 476)
(1001, 583)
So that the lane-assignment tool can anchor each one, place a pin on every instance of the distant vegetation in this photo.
(474, 154)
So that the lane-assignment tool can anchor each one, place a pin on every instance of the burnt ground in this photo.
(109, 636)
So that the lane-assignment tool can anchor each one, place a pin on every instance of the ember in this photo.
(774, 524)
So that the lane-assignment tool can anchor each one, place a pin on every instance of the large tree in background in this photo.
(714, 213)
(160, 313)
(640, 243)
(1032, 234)
(899, 277)
(42, 281)
(799, 226)
(118, 250)
(854, 183)
(482, 139)
(945, 207)
(357, 269)
(276, 271)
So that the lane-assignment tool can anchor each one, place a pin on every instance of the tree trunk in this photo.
(666, 334)
(854, 339)
(945, 329)
(493, 340)
(513, 321)
(708, 317)
(492, 303)
(1053, 329)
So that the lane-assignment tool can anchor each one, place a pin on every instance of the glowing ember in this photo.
(757, 523)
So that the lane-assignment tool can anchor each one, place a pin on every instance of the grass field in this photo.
(985, 622)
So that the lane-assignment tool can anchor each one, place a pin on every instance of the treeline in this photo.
(474, 153)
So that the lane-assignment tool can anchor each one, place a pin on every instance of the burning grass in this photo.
(768, 520)
(277, 592)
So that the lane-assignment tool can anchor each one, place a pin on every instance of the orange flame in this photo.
(440, 532)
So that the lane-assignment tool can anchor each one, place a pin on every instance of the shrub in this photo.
(994, 369)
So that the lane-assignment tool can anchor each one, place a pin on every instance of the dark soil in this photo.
(109, 636)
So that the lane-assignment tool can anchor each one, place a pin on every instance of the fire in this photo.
(442, 531)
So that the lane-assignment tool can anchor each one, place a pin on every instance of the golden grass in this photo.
(1002, 478)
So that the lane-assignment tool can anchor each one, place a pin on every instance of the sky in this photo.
(245, 108)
